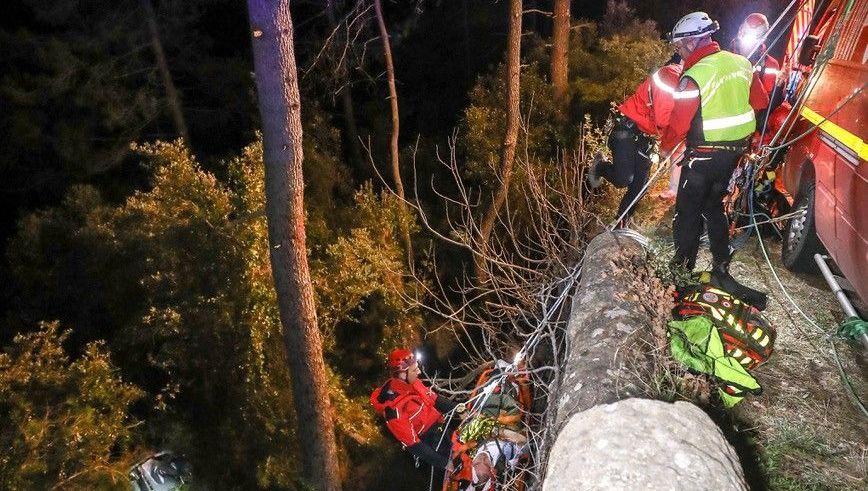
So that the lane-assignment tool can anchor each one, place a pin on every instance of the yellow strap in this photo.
(849, 140)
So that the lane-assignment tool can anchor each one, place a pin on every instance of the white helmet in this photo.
(692, 25)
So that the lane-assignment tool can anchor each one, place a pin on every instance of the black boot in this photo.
(720, 278)
(597, 170)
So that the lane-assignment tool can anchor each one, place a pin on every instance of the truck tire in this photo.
(800, 236)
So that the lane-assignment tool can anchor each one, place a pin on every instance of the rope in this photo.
(822, 61)
(667, 161)
(437, 448)
(779, 218)
(477, 402)
(663, 166)
(772, 28)
(850, 391)
(816, 125)
(845, 379)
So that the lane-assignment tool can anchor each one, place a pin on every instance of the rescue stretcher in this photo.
(496, 420)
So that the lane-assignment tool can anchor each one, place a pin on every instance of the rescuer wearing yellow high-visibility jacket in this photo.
(714, 110)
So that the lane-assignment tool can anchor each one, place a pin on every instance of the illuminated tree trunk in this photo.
(507, 156)
(393, 144)
(172, 95)
(560, 47)
(280, 108)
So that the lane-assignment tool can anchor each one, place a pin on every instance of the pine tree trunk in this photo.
(280, 107)
(560, 47)
(393, 145)
(172, 94)
(507, 156)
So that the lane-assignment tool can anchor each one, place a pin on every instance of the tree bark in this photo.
(560, 47)
(280, 107)
(393, 144)
(643, 444)
(174, 98)
(510, 137)
(616, 329)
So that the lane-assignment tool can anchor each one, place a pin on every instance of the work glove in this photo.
(654, 152)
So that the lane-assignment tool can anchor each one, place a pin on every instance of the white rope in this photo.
(779, 218)
(663, 166)
(772, 28)
(477, 402)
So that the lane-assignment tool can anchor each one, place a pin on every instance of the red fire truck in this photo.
(825, 171)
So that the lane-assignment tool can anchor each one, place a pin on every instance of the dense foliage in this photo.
(66, 423)
(179, 282)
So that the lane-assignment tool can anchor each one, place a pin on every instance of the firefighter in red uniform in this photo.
(640, 118)
(715, 111)
(751, 41)
(413, 412)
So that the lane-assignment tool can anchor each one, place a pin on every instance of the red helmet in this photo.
(400, 359)
(752, 31)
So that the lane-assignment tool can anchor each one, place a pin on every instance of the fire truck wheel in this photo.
(800, 236)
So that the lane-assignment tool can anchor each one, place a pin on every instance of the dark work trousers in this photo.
(630, 168)
(702, 187)
(427, 449)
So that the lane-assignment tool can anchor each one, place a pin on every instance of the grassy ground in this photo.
(810, 433)
(804, 431)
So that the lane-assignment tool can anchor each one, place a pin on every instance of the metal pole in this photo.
(839, 293)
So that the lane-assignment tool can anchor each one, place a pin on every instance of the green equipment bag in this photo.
(697, 343)
(747, 335)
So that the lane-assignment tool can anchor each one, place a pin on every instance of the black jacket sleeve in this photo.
(428, 455)
(444, 405)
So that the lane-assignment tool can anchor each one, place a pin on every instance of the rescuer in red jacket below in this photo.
(413, 412)
(714, 110)
(640, 118)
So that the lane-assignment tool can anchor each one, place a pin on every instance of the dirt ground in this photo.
(805, 431)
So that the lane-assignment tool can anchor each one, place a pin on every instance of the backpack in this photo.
(747, 336)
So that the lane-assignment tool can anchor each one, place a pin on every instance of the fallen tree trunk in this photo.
(643, 444)
(616, 326)
(616, 307)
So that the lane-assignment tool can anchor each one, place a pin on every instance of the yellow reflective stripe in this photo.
(727, 122)
(849, 140)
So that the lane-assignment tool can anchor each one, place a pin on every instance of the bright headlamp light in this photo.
(749, 38)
